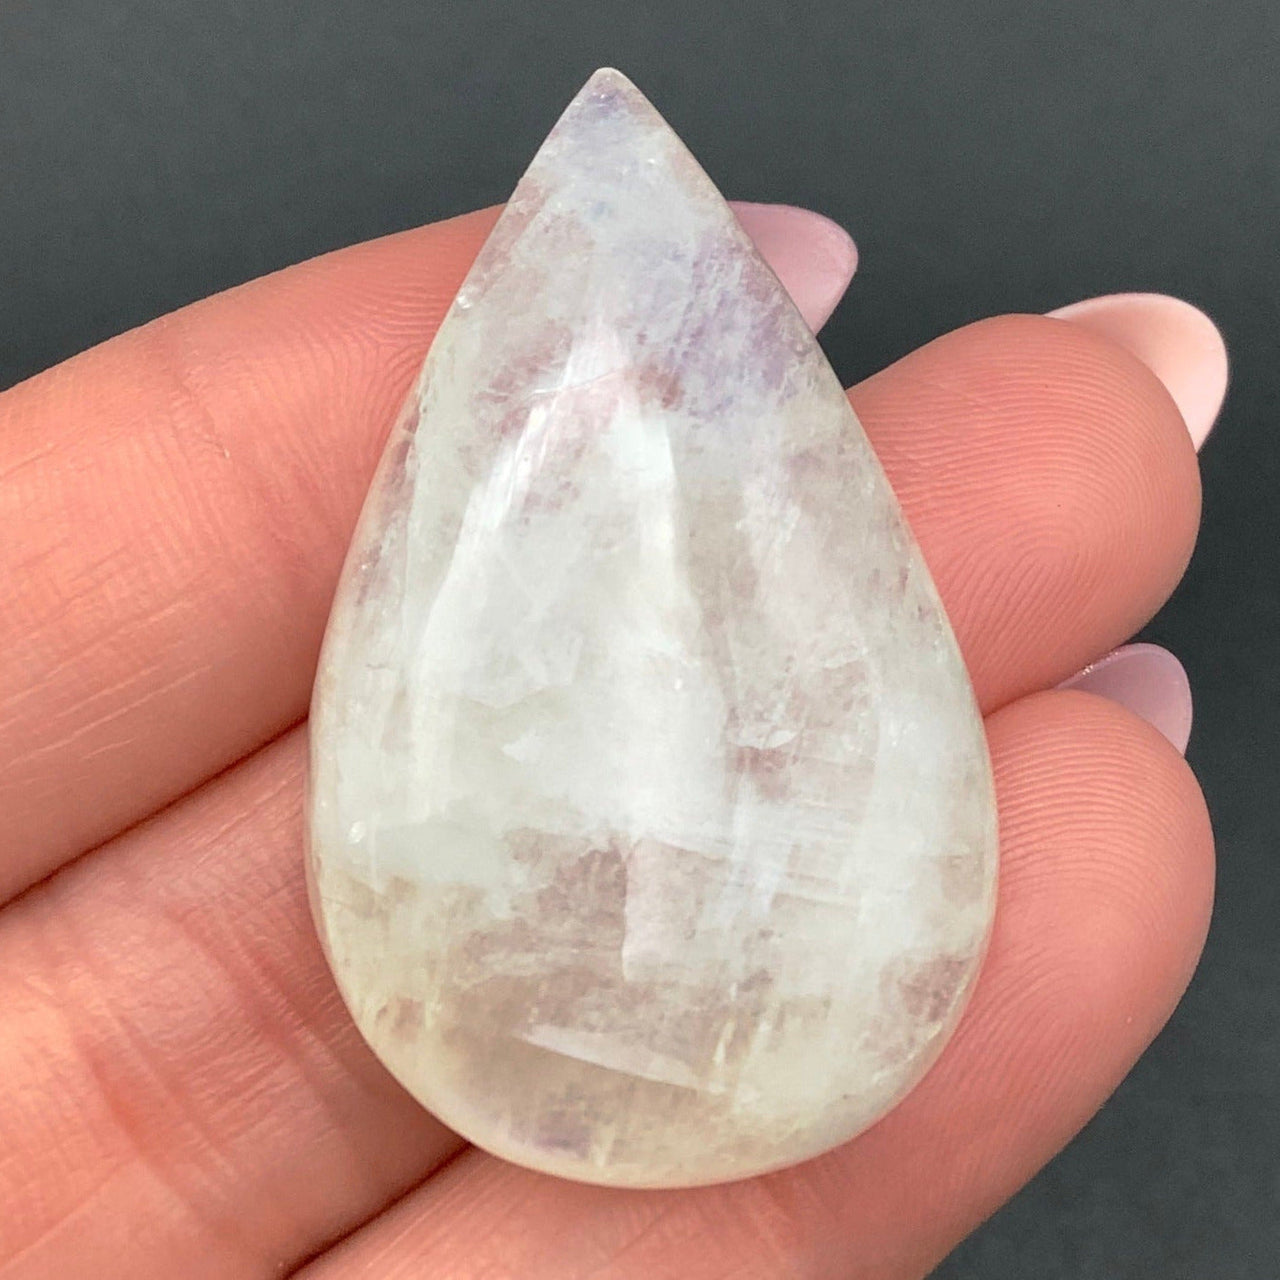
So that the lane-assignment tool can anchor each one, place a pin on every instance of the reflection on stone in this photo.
(652, 832)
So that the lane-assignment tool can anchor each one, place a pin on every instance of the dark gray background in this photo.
(987, 157)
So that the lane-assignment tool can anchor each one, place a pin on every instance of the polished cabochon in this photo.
(652, 839)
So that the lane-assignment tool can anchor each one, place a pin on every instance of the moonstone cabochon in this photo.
(652, 835)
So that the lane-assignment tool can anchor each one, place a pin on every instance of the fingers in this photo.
(177, 504)
(1148, 680)
(1106, 890)
(174, 507)
(211, 1085)
(1178, 342)
(1051, 483)
(174, 1053)
(1185, 350)
(815, 268)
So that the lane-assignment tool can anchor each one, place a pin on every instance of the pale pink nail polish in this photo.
(1175, 340)
(813, 257)
(1148, 680)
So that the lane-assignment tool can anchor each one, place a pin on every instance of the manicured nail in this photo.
(1175, 340)
(813, 257)
(1148, 680)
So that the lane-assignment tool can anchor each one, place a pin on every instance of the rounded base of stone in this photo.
(678, 1138)
(660, 1088)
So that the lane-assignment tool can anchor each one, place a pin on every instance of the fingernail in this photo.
(814, 257)
(1148, 680)
(1175, 340)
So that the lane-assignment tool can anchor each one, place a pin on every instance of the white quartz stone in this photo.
(652, 830)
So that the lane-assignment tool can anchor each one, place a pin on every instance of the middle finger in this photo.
(173, 1048)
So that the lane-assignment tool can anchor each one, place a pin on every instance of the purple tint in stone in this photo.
(652, 836)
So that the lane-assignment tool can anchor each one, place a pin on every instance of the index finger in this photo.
(175, 505)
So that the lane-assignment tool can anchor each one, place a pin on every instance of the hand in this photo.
(183, 1093)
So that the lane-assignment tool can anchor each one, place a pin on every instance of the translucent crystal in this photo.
(652, 831)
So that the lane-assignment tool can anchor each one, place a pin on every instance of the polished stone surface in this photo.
(652, 831)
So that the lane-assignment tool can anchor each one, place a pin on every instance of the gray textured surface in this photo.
(987, 157)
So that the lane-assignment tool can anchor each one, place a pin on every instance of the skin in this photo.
(184, 1094)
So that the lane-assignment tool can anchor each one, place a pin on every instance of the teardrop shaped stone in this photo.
(652, 831)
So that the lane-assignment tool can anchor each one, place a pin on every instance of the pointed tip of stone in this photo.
(609, 83)
(607, 130)
(610, 78)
